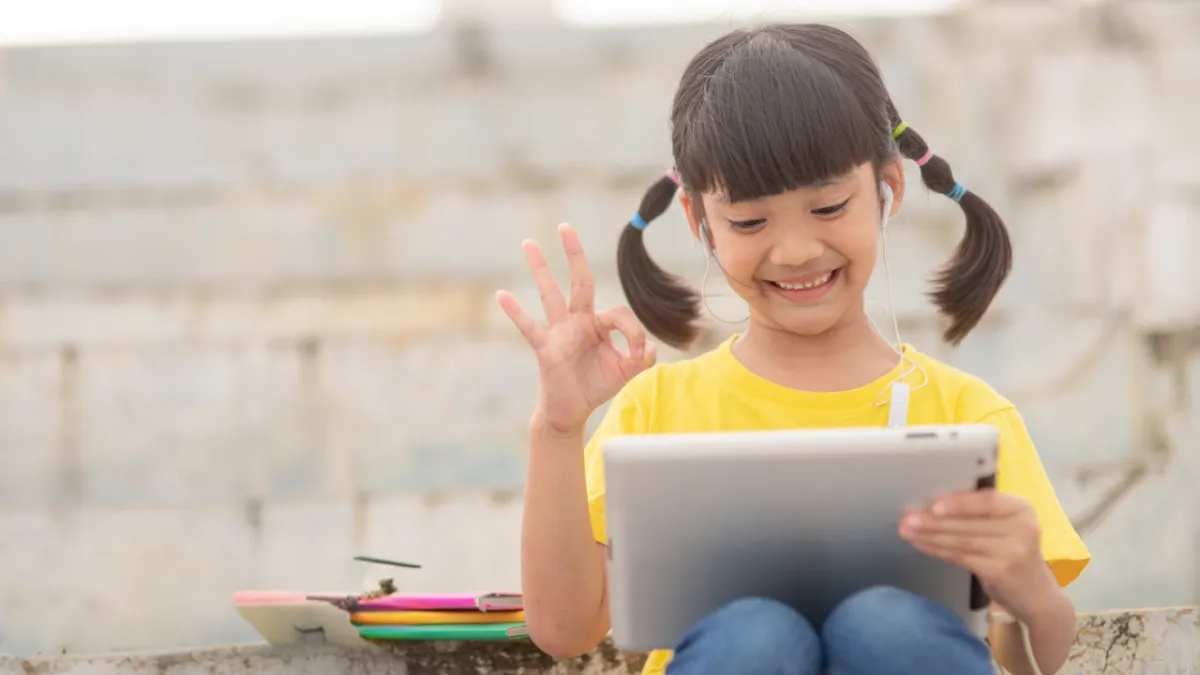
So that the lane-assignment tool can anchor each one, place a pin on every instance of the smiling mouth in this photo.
(808, 285)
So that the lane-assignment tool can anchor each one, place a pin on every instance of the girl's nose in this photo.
(795, 250)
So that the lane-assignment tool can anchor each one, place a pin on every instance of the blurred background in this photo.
(248, 252)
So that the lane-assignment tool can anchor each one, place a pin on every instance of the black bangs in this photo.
(776, 116)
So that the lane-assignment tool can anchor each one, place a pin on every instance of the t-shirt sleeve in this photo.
(624, 416)
(1021, 473)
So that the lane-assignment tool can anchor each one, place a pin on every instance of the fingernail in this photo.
(912, 522)
(939, 508)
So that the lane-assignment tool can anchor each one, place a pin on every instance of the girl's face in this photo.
(801, 259)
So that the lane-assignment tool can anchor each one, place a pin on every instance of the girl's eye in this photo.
(746, 224)
(830, 210)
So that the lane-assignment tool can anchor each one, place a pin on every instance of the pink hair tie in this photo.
(925, 158)
(673, 176)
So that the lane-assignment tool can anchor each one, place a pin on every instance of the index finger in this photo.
(625, 322)
(583, 285)
(974, 504)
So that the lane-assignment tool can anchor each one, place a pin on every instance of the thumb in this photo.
(650, 356)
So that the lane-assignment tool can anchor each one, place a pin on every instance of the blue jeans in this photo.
(878, 631)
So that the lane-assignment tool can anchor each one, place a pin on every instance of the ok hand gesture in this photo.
(579, 367)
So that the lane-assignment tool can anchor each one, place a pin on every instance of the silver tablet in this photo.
(806, 517)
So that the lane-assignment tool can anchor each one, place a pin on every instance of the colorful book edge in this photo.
(458, 633)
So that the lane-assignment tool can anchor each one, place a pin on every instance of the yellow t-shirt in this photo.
(715, 392)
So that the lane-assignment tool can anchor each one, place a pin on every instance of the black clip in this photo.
(384, 561)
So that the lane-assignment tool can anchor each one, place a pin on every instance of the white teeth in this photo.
(800, 287)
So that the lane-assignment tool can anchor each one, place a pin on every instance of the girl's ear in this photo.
(693, 216)
(893, 175)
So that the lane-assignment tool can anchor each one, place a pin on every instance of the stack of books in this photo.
(455, 616)
(284, 617)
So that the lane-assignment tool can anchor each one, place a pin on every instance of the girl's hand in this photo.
(994, 535)
(579, 367)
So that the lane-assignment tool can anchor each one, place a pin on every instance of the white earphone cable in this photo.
(884, 395)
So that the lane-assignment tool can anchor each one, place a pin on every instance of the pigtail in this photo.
(663, 302)
(965, 286)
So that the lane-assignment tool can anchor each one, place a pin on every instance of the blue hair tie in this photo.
(638, 221)
(956, 193)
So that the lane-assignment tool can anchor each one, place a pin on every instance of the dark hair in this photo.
(761, 111)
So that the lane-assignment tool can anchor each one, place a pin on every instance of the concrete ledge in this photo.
(402, 659)
(1144, 642)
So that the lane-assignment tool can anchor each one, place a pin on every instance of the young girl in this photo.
(788, 153)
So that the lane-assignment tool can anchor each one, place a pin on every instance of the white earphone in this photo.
(887, 204)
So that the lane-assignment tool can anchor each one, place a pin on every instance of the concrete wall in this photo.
(246, 326)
